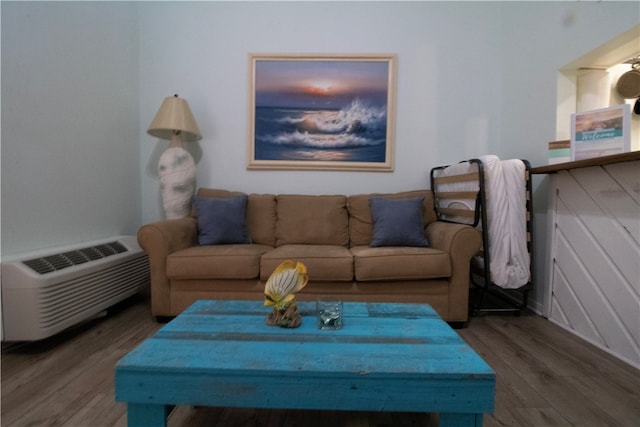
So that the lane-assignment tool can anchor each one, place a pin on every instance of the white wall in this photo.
(448, 97)
(70, 140)
(81, 82)
(540, 38)
(473, 78)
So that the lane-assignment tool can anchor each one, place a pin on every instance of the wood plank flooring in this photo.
(545, 377)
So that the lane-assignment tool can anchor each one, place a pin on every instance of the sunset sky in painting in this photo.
(319, 84)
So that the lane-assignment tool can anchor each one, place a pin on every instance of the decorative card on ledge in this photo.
(321, 112)
(559, 152)
(600, 133)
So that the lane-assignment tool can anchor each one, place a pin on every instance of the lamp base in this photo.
(177, 171)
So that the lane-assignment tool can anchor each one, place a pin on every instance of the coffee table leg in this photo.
(147, 415)
(460, 420)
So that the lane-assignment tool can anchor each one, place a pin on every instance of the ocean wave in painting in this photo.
(308, 134)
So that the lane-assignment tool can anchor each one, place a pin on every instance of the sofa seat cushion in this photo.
(400, 263)
(323, 262)
(234, 261)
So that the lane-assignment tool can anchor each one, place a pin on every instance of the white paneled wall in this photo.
(596, 256)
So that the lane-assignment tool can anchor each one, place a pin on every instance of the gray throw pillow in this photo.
(222, 220)
(397, 222)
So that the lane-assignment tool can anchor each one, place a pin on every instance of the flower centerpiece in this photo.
(287, 279)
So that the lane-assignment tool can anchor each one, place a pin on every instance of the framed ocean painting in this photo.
(322, 112)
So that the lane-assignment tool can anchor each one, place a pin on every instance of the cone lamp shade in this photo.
(174, 117)
(176, 167)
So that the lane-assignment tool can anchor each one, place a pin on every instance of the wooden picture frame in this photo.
(322, 112)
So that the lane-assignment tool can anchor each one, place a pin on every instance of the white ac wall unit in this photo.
(48, 291)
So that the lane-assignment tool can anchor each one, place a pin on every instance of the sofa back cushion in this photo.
(261, 218)
(261, 214)
(361, 223)
(314, 220)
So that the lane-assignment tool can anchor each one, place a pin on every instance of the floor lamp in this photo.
(176, 167)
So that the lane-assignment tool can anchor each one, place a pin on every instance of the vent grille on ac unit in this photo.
(45, 292)
(59, 303)
(63, 260)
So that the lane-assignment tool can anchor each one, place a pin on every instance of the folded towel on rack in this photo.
(506, 211)
(505, 188)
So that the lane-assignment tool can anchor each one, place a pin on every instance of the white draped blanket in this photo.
(505, 192)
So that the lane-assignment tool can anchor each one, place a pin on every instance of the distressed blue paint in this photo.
(147, 415)
(460, 420)
(387, 357)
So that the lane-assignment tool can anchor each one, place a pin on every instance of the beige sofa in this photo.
(331, 235)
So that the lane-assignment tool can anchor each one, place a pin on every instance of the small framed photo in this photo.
(322, 112)
(601, 132)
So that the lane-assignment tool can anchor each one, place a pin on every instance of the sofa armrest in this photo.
(159, 240)
(462, 242)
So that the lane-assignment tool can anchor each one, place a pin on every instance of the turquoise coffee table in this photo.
(387, 357)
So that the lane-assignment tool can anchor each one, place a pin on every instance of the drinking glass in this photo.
(329, 314)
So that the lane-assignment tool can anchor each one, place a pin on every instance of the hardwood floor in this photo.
(545, 377)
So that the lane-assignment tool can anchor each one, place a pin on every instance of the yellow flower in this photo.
(287, 279)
